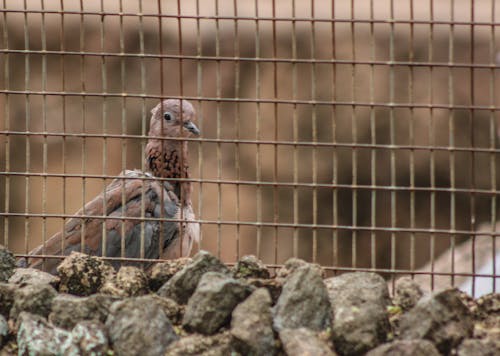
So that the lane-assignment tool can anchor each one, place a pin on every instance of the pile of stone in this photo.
(200, 306)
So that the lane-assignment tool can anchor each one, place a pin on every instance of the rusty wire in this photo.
(268, 92)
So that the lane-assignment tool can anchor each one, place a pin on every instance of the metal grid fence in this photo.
(358, 135)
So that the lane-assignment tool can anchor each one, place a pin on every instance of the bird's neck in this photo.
(168, 159)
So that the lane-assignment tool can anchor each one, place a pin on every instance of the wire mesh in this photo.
(357, 135)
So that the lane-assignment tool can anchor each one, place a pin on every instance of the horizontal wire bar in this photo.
(253, 59)
(276, 266)
(258, 183)
(492, 108)
(256, 142)
(255, 18)
(260, 224)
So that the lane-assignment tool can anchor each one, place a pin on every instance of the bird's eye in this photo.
(167, 116)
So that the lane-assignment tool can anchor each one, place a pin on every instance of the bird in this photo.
(102, 224)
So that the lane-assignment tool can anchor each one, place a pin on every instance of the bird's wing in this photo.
(89, 228)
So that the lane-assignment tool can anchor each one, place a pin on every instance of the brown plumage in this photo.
(161, 199)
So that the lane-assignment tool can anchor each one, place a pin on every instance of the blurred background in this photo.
(355, 134)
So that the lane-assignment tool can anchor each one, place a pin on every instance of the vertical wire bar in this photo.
(7, 128)
(162, 89)
(199, 91)
(257, 129)
(63, 108)
(44, 125)
(314, 138)
(412, 138)
(472, 145)
(104, 128)
(236, 49)
(295, 137)
(373, 152)
(432, 144)
(335, 242)
(392, 140)
(275, 146)
(493, 131)
(143, 131)
(27, 69)
(181, 143)
(124, 132)
(354, 152)
(218, 114)
(451, 123)
(84, 125)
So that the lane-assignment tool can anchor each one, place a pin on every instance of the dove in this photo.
(104, 229)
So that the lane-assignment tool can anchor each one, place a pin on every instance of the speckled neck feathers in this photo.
(168, 160)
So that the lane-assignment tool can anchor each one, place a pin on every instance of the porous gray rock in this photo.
(487, 315)
(293, 264)
(407, 293)
(479, 347)
(130, 281)
(252, 325)
(161, 272)
(303, 301)
(4, 330)
(359, 301)
(139, 326)
(24, 276)
(35, 336)
(35, 299)
(172, 310)
(82, 274)
(441, 318)
(6, 298)
(183, 284)
(302, 342)
(91, 338)
(213, 301)
(7, 264)
(250, 266)
(273, 286)
(68, 310)
(404, 348)
(195, 345)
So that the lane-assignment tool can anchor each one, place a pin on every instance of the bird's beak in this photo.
(191, 127)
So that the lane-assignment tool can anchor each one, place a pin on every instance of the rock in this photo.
(250, 267)
(6, 298)
(183, 284)
(24, 276)
(407, 293)
(273, 286)
(478, 347)
(303, 301)
(487, 315)
(304, 342)
(359, 301)
(82, 274)
(34, 299)
(160, 273)
(404, 348)
(172, 310)
(129, 282)
(139, 326)
(293, 264)
(252, 325)
(213, 301)
(4, 330)
(7, 264)
(68, 310)
(90, 337)
(194, 345)
(35, 336)
(441, 318)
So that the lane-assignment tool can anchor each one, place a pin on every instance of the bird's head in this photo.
(173, 118)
